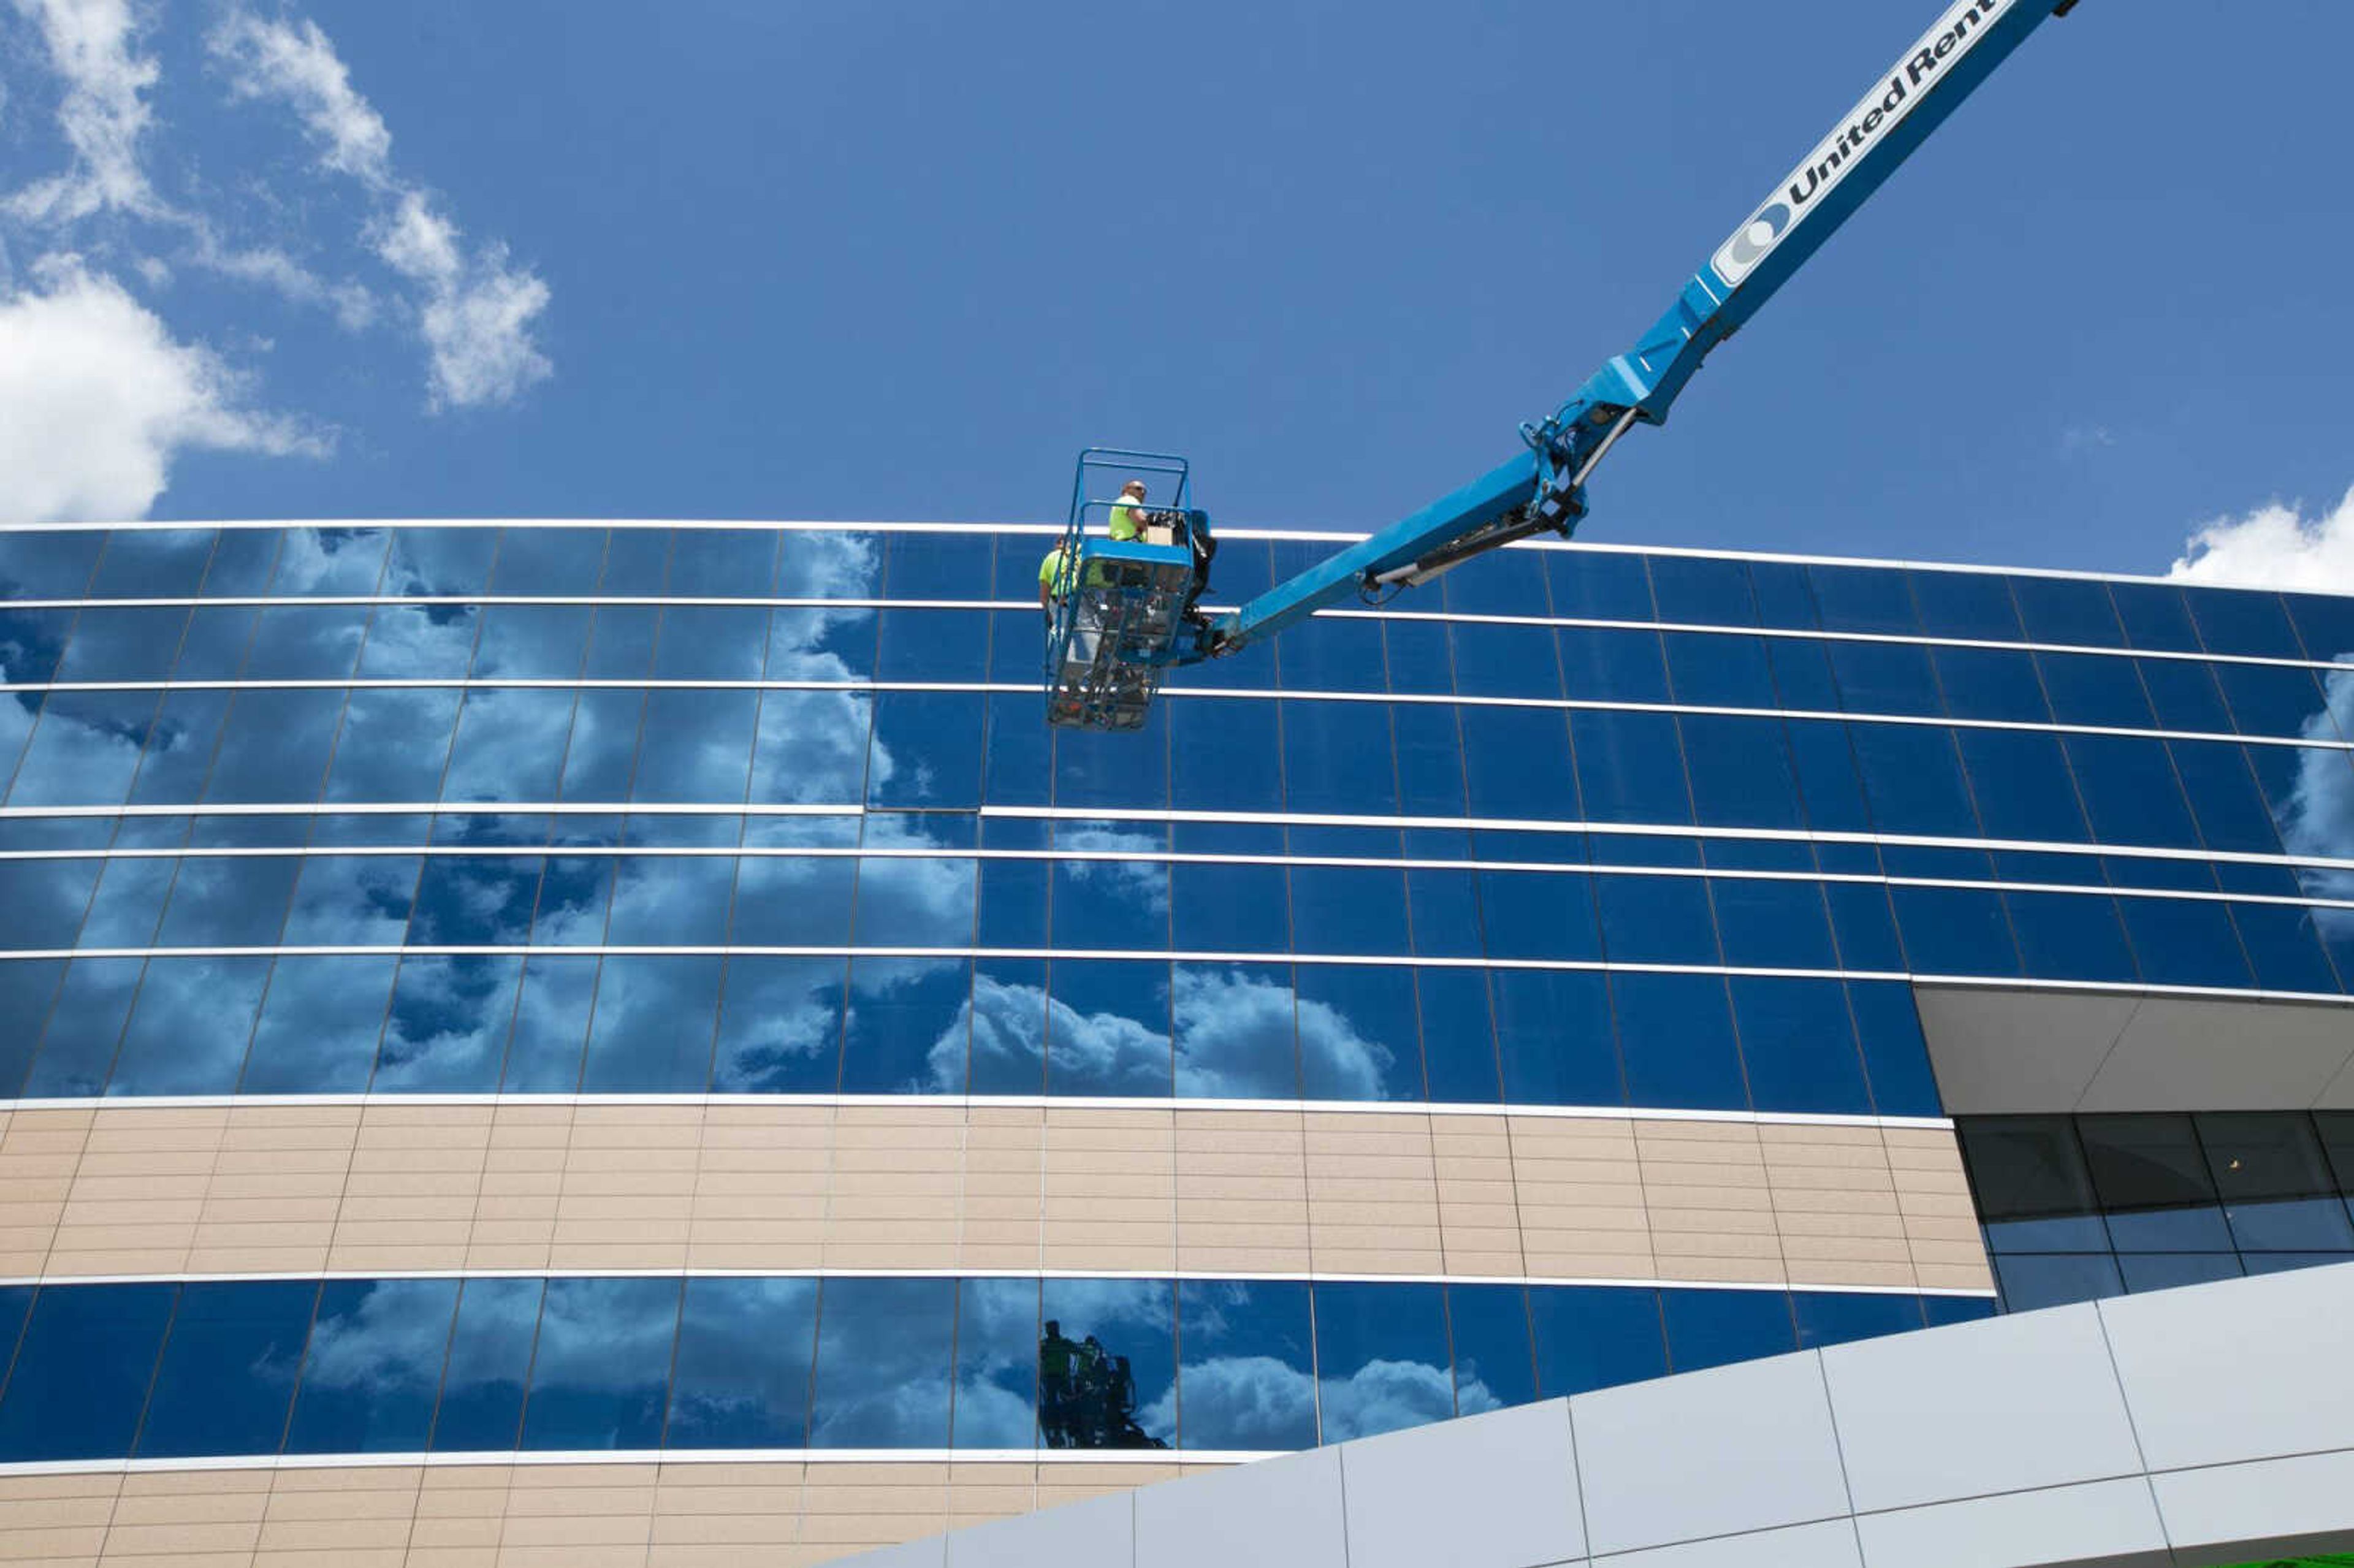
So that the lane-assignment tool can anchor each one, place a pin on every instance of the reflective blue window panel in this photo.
(1973, 605)
(448, 1023)
(2021, 786)
(1772, 925)
(1894, 1053)
(481, 1407)
(1914, 777)
(1329, 653)
(2095, 689)
(227, 1378)
(1245, 1376)
(1459, 1044)
(884, 1349)
(1675, 1034)
(2067, 612)
(1865, 930)
(82, 1371)
(26, 989)
(321, 1021)
(1598, 664)
(1108, 1029)
(551, 1026)
(2184, 696)
(1828, 784)
(651, 1028)
(1006, 1037)
(1588, 1338)
(1955, 931)
(1655, 920)
(1863, 599)
(151, 562)
(373, 1366)
(780, 1024)
(1358, 1039)
(1494, 661)
(906, 1029)
(2156, 616)
(1741, 770)
(1128, 770)
(47, 565)
(2130, 793)
(1629, 766)
(1886, 678)
(2325, 624)
(1826, 1319)
(1444, 908)
(998, 1353)
(602, 1369)
(1799, 1047)
(1381, 1359)
(2181, 942)
(1539, 915)
(2235, 620)
(189, 1029)
(85, 1027)
(1518, 762)
(2274, 700)
(2283, 944)
(1598, 587)
(1236, 1030)
(1488, 1329)
(1715, 1328)
(1225, 757)
(742, 1378)
(2067, 936)
(1554, 1039)
(1696, 591)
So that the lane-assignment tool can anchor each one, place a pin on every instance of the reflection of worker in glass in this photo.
(1087, 1395)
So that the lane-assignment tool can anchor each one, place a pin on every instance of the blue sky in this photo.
(726, 259)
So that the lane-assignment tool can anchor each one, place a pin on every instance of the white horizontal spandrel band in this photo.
(1337, 539)
(1143, 857)
(1117, 814)
(1000, 688)
(1010, 1102)
(1015, 607)
(1181, 1276)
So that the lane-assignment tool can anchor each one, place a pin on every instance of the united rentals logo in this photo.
(1941, 48)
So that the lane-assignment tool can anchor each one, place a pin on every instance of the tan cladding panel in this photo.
(384, 1187)
(775, 1515)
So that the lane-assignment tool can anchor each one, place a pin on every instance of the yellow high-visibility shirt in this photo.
(1125, 525)
(1054, 573)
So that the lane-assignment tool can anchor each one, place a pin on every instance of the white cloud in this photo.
(92, 44)
(98, 399)
(2274, 547)
(296, 63)
(475, 310)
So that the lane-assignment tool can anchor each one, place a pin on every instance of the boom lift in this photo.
(1109, 647)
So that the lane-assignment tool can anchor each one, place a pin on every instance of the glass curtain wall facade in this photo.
(538, 814)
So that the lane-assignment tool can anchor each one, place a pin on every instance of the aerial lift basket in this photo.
(1115, 620)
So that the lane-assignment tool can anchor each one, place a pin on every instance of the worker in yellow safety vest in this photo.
(1054, 579)
(1127, 513)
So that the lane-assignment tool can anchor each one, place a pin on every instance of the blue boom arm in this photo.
(1543, 490)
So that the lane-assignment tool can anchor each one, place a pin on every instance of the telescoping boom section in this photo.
(1543, 489)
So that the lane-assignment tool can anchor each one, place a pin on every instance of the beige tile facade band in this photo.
(720, 1515)
(293, 1188)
